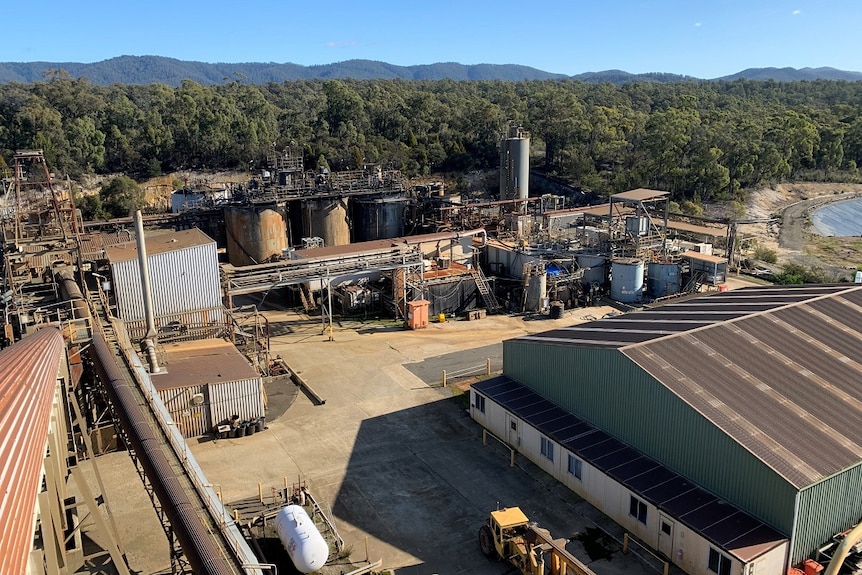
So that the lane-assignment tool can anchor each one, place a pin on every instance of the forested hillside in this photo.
(701, 141)
(170, 71)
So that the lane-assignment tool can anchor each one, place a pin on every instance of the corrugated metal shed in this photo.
(159, 243)
(28, 379)
(206, 382)
(183, 270)
(188, 408)
(753, 393)
(726, 526)
(756, 375)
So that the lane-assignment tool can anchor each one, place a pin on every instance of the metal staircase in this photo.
(491, 303)
(695, 283)
(306, 298)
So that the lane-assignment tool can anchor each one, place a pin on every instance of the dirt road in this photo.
(795, 220)
(793, 239)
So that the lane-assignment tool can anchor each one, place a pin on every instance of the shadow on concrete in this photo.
(280, 395)
(469, 360)
(420, 480)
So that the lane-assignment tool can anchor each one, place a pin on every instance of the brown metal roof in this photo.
(697, 256)
(723, 524)
(159, 243)
(599, 210)
(41, 255)
(764, 364)
(93, 246)
(639, 195)
(358, 248)
(769, 379)
(28, 378)
(202, 361)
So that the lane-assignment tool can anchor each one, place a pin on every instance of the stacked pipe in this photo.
(192, 534)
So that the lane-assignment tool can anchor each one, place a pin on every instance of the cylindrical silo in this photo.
(378, 218)
(515, 164)
(327, 219)
(663, 279)
(537, 287)
(597, 268)
(253, 234)
(627, 280)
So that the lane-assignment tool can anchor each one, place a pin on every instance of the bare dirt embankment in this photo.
(793, 237)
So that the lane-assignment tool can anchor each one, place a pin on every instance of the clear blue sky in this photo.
(702, 38)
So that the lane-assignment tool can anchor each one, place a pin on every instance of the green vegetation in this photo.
(765, 254)
(834, 251)
(118, 198)
(702, 141)
(797, 274)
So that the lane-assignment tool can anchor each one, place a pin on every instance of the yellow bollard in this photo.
(444, 378)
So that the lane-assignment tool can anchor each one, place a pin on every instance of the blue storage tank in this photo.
(627, 280)
(663, 279)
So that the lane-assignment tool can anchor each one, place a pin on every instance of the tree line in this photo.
(702, 141)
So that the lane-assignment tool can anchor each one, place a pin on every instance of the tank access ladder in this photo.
(491, 303)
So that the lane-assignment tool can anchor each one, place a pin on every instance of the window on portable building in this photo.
(638, 509)
(575, 466)
(479, 402)
(547, 448)
(718, 563)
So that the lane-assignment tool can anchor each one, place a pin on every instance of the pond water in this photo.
(839, 219)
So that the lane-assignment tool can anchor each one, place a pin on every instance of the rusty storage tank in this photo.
(326, 218)
(627, 280)
(598, 268)
(253, 234)
(663, 279)
(515, 164)
(378, 218)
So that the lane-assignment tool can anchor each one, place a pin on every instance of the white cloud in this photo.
(342, 44)
(697, 24)
(797, 12)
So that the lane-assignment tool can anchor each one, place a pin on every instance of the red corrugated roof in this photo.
(28, 376)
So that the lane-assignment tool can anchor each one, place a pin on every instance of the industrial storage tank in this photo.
(378, 218)
(253, 234)
(663, 279)
(327, 219)
(598, 268)
(515, 164)
(303, 542)
(537, 289)
(627, 280)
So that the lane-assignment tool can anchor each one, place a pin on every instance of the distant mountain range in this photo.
(152, 69)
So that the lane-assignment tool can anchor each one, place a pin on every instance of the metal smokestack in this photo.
(148, 343)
